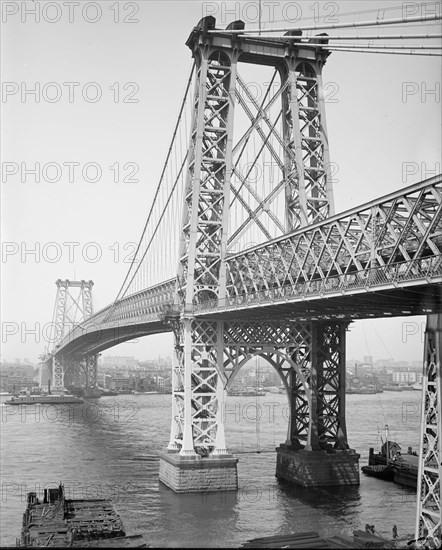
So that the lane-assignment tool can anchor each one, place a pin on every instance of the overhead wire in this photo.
(373, 23)
(362, 12)
(161, 217)
(374, 36)
(159, 198)
(379, 46)
(392, 52)
(159, 186)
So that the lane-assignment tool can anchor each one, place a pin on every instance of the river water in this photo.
(108, 448)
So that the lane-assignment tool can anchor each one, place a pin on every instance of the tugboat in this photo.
(382, 469)
(391, 465)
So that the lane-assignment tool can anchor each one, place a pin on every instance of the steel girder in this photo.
(76, 376)
(68, 370)
(300, 154)
(307, 164)
(328, 385)
(72, 372)
(198, 389)
(309, 357)
(89, 365)
(201, 270)
(151, 303)
(70, 310)
(395, 239)
(147, 306)
(60, 308)
(294, 268)
(57, 373)
(429, 493)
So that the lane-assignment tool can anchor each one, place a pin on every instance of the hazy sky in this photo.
(383, 118)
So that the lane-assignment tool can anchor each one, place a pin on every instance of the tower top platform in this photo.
(258, 50)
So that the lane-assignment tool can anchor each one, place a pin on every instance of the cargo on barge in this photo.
(59, 522)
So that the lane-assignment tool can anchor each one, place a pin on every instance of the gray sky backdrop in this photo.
(380, 139)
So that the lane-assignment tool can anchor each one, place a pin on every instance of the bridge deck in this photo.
(382, 259)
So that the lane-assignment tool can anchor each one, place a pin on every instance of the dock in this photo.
(59, 522)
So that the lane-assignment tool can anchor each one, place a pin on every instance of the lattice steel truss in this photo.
(204, 226)
(328, 385)
(72, 371)
(429, 494)
(199, 372)
(70, 310)
(89, 365)
(285, 345)
(57, 373)
(199, 390)
(309, 357)
(308, 175)
(401, 229)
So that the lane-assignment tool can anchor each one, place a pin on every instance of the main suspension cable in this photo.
(159, 184)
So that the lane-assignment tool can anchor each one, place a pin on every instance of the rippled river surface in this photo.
(108, 448)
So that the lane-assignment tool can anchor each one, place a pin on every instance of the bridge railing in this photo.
(417, 269)
(397, 227)
(144, 306)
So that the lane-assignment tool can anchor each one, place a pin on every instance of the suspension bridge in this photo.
(243, 254)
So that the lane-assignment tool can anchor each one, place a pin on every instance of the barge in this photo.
(311, 539)
(45, 399)
(401, 469)
(58, 522)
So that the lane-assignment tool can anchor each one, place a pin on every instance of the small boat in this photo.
(395, 388)
(365, 390)
(107, 393)
(246, 393)
(382, 468)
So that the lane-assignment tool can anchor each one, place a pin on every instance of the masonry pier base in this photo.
(317, 468)
(195, 474)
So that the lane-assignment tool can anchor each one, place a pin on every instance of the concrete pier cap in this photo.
(317, 468)
(196, 474)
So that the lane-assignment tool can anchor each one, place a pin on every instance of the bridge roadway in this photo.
(381, 259)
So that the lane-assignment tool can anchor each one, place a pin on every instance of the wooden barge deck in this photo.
(311, 539)
(59, 522)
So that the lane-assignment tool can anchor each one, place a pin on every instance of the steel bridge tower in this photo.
(308, 355)
(429, 491)
(71, 308)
